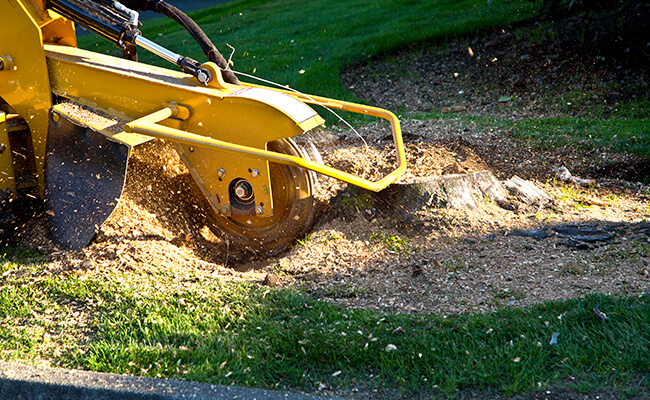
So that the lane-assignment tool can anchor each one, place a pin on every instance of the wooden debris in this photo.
(271, 280)
(526, 191)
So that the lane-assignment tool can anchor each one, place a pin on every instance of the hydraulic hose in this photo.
(90, 15)
(210, 50)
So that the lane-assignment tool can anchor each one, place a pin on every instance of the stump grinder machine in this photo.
(69, 119)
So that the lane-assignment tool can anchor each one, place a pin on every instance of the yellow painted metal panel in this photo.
(7, 180)
(138, 90)
(109, 123)
(25, 86)
(148, 126)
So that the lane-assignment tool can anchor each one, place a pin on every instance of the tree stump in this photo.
(403, 200)
(526, 191)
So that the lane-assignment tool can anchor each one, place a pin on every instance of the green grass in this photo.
(178, 324)
(275, 40)
(200, 328)
(612, 135)
(626, 134)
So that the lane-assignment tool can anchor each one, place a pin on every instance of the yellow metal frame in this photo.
(215, 127)
(148, 125)
(7, 180)
(24, 82)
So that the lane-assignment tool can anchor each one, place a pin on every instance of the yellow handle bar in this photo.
(148, 125)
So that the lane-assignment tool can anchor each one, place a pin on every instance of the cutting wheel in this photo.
(293, 210)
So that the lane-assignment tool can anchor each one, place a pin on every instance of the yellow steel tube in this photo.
(359, 109)
(147, 125)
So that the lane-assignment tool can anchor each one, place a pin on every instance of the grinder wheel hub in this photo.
(293, 214)
(242, 191)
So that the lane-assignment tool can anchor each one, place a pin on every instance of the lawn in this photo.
(189, 325)
(193, 325)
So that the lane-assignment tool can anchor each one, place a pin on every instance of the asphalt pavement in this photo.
(26, 382)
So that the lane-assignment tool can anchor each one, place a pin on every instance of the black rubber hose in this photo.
(192, 27)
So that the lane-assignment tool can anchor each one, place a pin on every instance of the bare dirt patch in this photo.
(466, 260)
(587, 63)
(442, 259)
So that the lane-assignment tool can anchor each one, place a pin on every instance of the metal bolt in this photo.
(3, 147)
(259, 210)
(6, 63)
(55, 117)
(240, 191)
(243, 190)
(191, 149)
(221, 173)
(255, 173)
(225, 210)
(203, 76)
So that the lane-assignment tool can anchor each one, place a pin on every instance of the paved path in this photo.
(23, 382)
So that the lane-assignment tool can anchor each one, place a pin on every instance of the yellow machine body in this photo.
(220, 130)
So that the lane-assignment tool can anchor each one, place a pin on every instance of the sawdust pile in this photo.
(161, 221)
(468, 260)
(443, 260)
